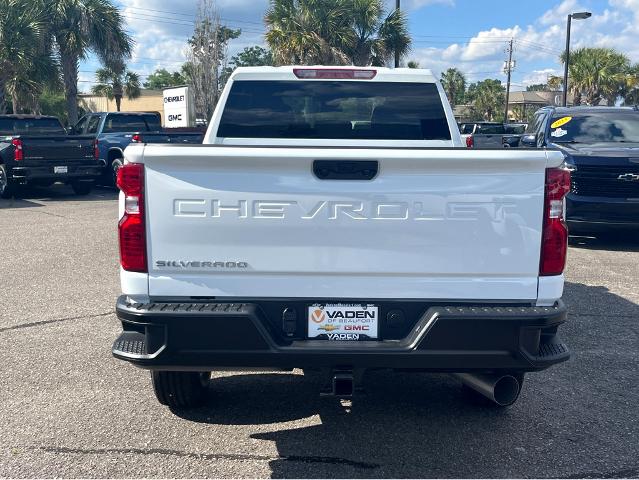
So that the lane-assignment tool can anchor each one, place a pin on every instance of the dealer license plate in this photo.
(343, 322)
(60, 169)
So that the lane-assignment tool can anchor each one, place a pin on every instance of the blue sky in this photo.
(471, 35)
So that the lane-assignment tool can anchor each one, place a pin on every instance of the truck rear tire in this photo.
(180, 389)
(6, 187)
(115, 166)
(82, 188)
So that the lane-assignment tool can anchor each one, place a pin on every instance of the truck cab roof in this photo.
(584, 109)
(22, 116)
(381, 74)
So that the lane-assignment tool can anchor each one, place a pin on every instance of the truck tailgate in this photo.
(57, 149)
(258, 222)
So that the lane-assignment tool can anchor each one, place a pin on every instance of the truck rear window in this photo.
(31, 126)
(132, 123)
(490, 129)
(334, 110)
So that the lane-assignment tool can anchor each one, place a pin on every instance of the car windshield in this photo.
(595, 127)
(31, 126)
(334, 110)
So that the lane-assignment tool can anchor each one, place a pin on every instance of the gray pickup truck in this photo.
(483, 134)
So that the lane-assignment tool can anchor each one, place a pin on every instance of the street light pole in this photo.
(566, 61)
(576, 16)
(397, 2)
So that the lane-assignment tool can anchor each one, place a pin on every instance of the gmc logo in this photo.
(175, 118)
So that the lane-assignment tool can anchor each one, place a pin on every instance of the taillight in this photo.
(470, 141)
(131, 228)
(137, 138)
(332, 73)
(554, 237)
(18, 153)
(96, 149)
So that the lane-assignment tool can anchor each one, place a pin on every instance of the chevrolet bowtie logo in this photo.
(629, 177)
(328, 328)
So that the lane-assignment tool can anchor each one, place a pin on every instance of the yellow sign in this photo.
(560, 122)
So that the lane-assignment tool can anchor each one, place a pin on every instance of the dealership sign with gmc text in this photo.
(176, 107)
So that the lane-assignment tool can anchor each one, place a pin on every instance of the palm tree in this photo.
(116, 83)
(555, 82)
(487, 98)
(24, 57)
(308, 31)
(80, 26)
(335, 32)
(454, 84)
(28, 82)
(377, 38)
(631, 89)
(597, 74)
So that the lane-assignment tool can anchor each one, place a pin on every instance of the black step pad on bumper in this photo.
(201, 335)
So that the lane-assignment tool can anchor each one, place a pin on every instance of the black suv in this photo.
(601, 145)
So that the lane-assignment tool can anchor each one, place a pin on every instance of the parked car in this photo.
(601, 147)
(36, 150)
(483, 134)
(513, 134)
(113, 131)
(333, 220)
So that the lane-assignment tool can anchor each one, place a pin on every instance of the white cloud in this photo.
(560, 11)
(489, 43)
(162, 27)
(539, 45)
(539, 76)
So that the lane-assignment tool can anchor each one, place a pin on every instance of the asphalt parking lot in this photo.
(68, 409)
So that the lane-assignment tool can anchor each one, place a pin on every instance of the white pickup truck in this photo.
(333, 220)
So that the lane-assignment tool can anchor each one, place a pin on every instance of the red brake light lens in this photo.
(96, 149)
(334, 73)
(131, 229)
(132, 243)
(554, 239)
(18, 152)
(470, 141)
(136, 138)
(131, 179)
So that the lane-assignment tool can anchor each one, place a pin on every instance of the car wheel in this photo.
(6, 188)
(180, 389)
(115, 166)
(82, 188)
